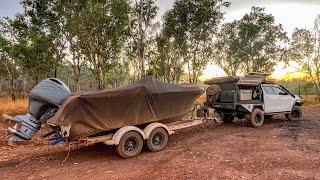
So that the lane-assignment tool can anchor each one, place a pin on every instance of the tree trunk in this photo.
(100, 80)
(13, 90)
(142, 37)
(142, 60)
(101, 76)
(317, 83)
(317, 91)
(11, 86)
(189, 72)
(77, 79)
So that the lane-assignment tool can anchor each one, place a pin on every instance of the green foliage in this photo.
(33, 56)
(102, 29)
(4, 56)
(108, 43)
(143, 14)
(119, 74)
(192, 25)
(8, 69)
(41, 19)
(254, 43)
(307, 86)
(305, 49)
(167, 65)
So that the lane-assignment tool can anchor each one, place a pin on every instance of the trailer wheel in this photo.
(157, 140)
(295, 114)
(130, 145)
(257, 117)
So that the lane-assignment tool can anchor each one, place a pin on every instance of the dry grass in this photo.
(202, 98)
(7, 106)
(311, 100)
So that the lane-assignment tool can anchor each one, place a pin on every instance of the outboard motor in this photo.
(44, 101)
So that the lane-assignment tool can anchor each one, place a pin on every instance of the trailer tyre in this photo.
(295, 114)
(130, 145)
(257, 117)
(157, 140)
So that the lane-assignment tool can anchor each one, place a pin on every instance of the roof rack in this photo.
(220, 80)
(253, 79)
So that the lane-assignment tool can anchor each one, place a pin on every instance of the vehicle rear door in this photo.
(270, 100)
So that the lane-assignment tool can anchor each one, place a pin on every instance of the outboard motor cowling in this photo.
(44, 101)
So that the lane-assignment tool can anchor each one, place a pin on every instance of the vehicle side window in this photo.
(277, 91)
(268, 89)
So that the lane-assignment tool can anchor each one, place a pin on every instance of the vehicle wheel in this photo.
(227, 118)
(158, 140)
(130, 145)
(295, 114)
(257, 118)
(268, 116)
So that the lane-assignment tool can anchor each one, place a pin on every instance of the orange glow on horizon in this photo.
(282, 71)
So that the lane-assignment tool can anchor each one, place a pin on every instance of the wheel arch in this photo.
(118, 135)
(147, 130)
(258, 107)
(250, 107)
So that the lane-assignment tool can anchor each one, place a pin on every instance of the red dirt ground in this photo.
(278, 150)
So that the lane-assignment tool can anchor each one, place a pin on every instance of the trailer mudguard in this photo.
(147, 131)
(118, 135)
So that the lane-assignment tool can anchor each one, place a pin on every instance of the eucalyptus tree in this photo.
(193, 24)
(32, 36)
(142, 30)
(8, 69)
(68, 12)
(167, 65)
(102, 30)
(227, 48)
(255, 43)
(31, 50)
(43, 22)
(305, 49)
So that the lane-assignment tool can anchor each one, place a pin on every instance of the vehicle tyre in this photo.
(295, 114)
(257, 117)
(130, 145)
(228, 118)
(268, 116)
(157, 140)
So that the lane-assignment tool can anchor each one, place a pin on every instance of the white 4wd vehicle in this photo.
(277, 99)
(251, 97)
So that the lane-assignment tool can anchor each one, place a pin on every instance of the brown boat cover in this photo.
(145, 101)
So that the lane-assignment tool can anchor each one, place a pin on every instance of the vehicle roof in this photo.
(251, 79)
(222, 80)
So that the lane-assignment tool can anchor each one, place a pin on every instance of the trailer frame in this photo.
(115, 139)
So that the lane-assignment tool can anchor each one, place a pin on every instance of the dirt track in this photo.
(280, 149)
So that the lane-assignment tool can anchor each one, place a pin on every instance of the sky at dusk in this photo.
(289, 13)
